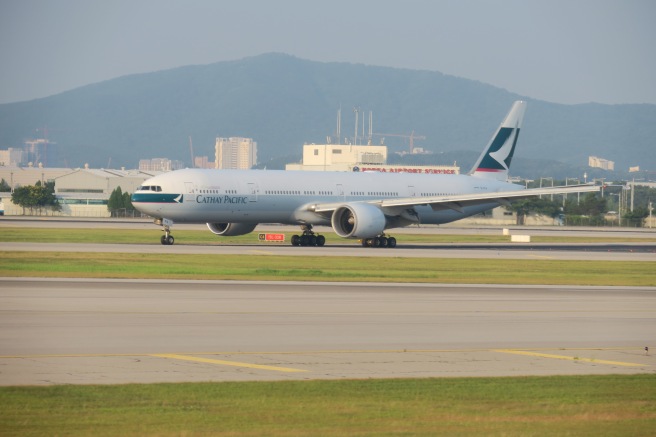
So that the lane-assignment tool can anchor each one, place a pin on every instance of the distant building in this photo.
(203, 162)
(339, 157)
(596, 162)
(160, 164)
(20, 176)
(11, 157)
(235, 153)
(346, 157)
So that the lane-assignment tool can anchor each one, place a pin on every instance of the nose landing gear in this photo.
(167, 239)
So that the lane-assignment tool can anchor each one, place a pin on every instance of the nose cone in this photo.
(145, 202)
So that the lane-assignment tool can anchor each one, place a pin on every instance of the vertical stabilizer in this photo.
(494, 162)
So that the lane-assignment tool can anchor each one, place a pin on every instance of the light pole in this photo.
(552, 184)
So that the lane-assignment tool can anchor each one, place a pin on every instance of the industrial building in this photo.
(347, 157)
(81, 192)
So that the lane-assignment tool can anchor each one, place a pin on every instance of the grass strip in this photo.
(152, 236)
(313, 268)
(608, 405)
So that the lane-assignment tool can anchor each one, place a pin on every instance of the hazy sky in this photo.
(565, 51)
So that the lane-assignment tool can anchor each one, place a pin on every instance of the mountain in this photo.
(283, 102)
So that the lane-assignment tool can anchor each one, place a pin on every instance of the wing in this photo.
(457, 202)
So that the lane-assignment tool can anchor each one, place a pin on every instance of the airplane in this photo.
(357, 205)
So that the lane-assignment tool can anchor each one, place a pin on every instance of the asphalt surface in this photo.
(131, 331)
(79, 331)
(594, 252)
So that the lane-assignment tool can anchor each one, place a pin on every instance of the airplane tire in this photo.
(321, 240)
(304, 240)
(170, 240)
(312, 240)
(163, 239)
(383, 242)
(375, 242)
(296, 240)
(391, 242)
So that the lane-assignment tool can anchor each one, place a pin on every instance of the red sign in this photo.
(410, 170)
(272, 237)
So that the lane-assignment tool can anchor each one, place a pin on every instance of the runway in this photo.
(134, 331)
(589, 252)
(642, 247)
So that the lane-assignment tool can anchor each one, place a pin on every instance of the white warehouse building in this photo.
(81, 192)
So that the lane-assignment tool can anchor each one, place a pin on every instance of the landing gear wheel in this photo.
(379, 241)
(308, 238)
(167, 240)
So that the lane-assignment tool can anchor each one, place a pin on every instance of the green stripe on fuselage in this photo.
(156, 198)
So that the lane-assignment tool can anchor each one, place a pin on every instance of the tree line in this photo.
(591, 209)
(119, 203)
(33, 197)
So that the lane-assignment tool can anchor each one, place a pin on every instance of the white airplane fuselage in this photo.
(286, 197)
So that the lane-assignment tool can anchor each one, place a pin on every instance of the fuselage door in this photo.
(252, 192)
(190, 195)
(411, 191)
(340, 191)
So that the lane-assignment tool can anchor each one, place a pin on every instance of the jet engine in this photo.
(358, 220)
(231, 229)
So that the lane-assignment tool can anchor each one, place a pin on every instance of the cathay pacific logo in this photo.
(178, 199)
(501, 150)
(504, 154)
(221, 199)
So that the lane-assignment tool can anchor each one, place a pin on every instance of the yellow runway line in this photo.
(227, 363)
(564, 357)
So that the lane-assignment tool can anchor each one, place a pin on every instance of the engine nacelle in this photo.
(231, 229)
(358, 220)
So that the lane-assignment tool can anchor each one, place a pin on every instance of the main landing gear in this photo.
(380, 241)
(308, 238)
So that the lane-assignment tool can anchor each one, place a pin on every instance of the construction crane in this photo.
(411, 138)
(191, 149)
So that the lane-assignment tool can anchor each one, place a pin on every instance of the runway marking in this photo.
(227, 363)
(564, 357)
(261, 252)
(314, 352)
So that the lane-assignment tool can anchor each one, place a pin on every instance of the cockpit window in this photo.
(150, 188)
